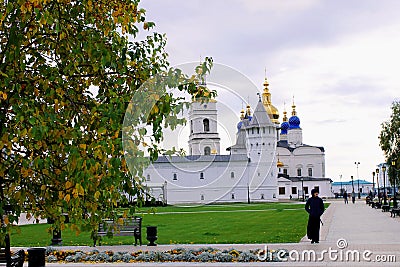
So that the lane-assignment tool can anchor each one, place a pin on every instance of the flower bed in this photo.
(175, 255)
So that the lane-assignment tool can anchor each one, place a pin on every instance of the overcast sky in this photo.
(340, 60)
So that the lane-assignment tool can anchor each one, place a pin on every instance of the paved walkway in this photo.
(348, 230)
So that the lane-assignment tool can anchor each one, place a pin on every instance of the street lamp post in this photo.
(302, 187)
(341, 188)
(352, 184)
(358, 180)
(373, 184)
(377, 184)
(384, 185)
(394, 184)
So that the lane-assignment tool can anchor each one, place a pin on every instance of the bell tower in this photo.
(203, 138)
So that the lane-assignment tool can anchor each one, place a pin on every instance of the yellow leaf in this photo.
(60, 195)
(75, 193)
(96, 195)
(68, 185)
(154, 110)
(67, 198)
(82, 146)
(43, 187)
(80, 189)
(3, 95)
(6, 221)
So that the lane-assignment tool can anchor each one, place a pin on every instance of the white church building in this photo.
(268, 162)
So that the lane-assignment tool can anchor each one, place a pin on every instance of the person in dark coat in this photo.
(315, 208)
(346, 201)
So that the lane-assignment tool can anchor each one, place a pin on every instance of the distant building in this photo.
(347, 186)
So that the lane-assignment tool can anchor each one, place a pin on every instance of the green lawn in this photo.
(210, 224)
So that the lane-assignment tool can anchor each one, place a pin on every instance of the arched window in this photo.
(206, 125)
(202, 175)
(232, 175)
(175, 177)
(207, 150)
(148, 177)
(298, 171)
(202, 197)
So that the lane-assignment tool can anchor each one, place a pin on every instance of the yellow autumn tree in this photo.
(68, 70)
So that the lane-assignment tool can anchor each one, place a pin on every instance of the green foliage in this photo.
(389, 141)
(68, 72)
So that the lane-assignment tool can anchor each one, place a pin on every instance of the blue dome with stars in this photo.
(294, 122)
(284, 127)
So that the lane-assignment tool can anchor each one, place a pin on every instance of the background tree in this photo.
(389, 140)
(68, 72)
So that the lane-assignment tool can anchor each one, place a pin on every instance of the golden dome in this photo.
(279, 164)
(202, 94)
(272, 111)
(242, 114)
(214, 151)
(248, 110)
(294, 113)
(285, 118)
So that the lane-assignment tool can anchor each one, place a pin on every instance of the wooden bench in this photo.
(385, 208)
(9, 260)
(377, 205)
(394, 211)
(129, 227)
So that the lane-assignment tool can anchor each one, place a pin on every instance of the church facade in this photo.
(268, 161)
